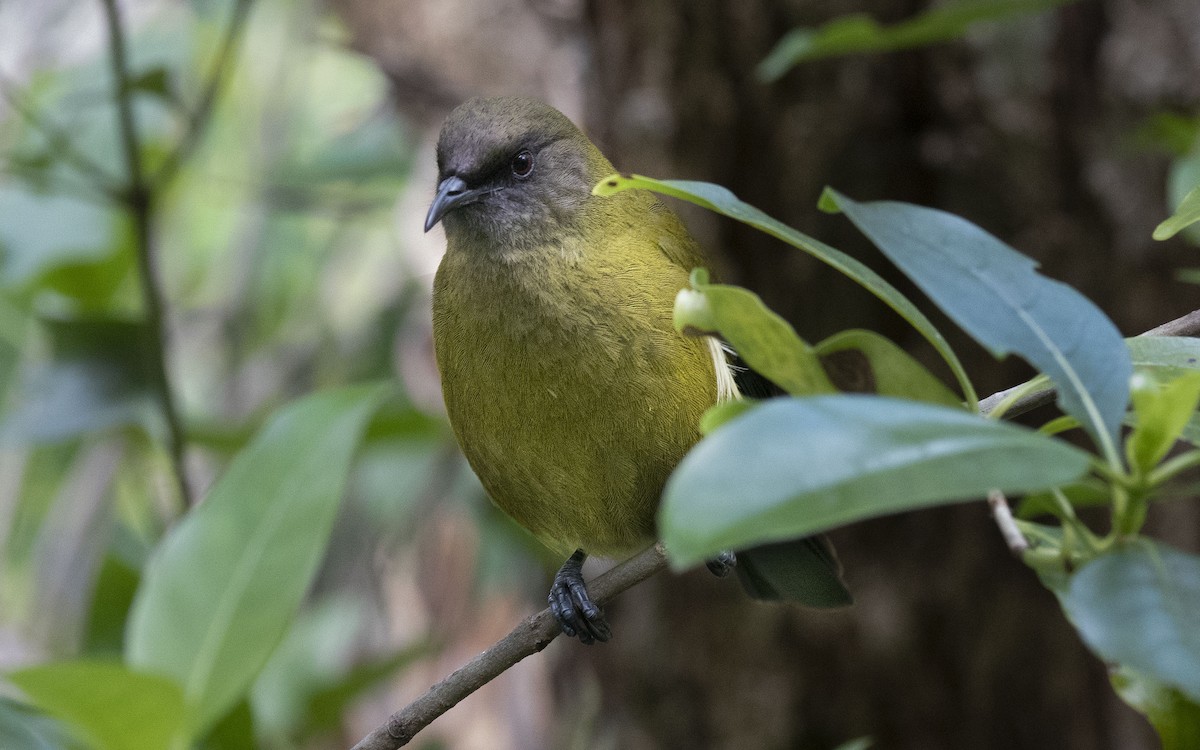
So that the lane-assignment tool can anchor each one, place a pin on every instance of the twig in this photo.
(1188, 325)
(200, 117)
(1016, 541)
(138, 198)
(532, 635)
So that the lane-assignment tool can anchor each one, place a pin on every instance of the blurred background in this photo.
(289, 257)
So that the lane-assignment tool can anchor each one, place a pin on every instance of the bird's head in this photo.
(512, 171)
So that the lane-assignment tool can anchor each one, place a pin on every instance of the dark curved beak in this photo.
(452, 192)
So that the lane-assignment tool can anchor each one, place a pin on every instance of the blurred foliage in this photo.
(271, 160)
(859, 33)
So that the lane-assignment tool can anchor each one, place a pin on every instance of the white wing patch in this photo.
(727, 389)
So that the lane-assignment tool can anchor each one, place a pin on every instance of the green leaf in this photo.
(1165, 357)
(1174, 717)
(723, 411)
(1187, 214)
(860, 33)
(1085, 494)
(221, 589)
(717, 198)
(796, 467)
(1138, 606)
(892, 371)
(995, 294)
(114, 707)
(98, 377)
(765, 341)
(112, 596)
(39, 232)
(1162, 410)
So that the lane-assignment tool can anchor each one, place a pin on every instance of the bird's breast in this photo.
(569, 391)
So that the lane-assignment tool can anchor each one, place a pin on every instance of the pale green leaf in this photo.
(114, 707)
(766, 342)
(221, 589)
(1187, 214)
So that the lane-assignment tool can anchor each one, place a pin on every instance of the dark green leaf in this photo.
(891, 370)
(114, 707)
(717, 198)
(1174, 717)
(111, 599)
(155, 81)
(796, 467)
(995, 294)
(1138, 606)
(220, 590)
(767, 342)
(860, 33)
(1086, 494)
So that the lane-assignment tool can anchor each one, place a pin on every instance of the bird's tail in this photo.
(805, 571)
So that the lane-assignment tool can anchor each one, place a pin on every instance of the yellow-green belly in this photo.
(572, 402)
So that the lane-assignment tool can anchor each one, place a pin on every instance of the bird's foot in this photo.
(722, 563)
(577, 614)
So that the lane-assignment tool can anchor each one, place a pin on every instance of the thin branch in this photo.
(1188, 325)
(138, 198)
(1016, 541)
(201, 116)
(532, 635)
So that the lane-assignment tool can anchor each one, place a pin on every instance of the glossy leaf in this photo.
(998, 297)
(1138, 607)
(113, 706)
(859, 33)
(221, 589)
(1174, 717)
(765, 341)
(796, 467)
(891, 370)
(717, 198)
(1187, 214)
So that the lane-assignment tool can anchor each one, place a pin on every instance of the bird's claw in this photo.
(576, 613)
(722, 563)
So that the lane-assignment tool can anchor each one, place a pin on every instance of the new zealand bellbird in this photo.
(569, 390)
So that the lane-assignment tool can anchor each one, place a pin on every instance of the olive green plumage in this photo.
(568, 388)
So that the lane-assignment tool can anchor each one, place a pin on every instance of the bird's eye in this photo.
(522, 164)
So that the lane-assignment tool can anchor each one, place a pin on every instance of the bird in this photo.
(566, 385)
